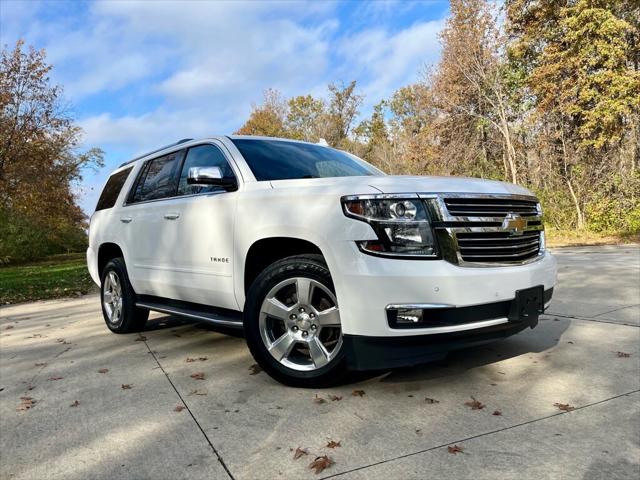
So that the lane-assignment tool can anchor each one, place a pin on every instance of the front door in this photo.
(202, 254)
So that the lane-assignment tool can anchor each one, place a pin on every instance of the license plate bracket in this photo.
(528, 305)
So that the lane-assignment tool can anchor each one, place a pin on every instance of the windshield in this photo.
(282, 160)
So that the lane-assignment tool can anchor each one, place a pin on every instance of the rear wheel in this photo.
(119, 300)
(292, 323)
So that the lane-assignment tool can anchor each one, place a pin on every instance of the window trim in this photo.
(143, 171)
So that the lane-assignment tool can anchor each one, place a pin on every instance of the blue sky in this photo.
(142, 74)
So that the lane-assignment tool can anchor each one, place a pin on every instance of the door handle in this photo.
(126, 219)
(171, 215)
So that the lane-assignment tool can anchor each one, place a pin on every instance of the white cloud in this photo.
(148, 73)
(388, 60)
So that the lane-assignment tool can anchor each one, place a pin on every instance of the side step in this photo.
(196, 311)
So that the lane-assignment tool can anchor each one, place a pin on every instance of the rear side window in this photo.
(203, 156)
(112, 189)
(158, 178)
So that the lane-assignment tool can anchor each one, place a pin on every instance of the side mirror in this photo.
(210, 176)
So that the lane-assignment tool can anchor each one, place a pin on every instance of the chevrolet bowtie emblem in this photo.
(514, 223)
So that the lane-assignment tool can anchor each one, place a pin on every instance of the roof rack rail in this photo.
(156, 150)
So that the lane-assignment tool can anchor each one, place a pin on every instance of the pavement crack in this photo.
(226, 469)
(617, 309)
(473, 437)
(587, 319)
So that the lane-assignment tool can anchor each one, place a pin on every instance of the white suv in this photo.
(327, 263)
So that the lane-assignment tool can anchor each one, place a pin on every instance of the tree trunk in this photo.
(576, 202)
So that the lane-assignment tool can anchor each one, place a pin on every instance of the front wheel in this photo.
(292, 323)
(119, 300)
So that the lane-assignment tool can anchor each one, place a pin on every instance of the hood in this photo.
(405, 184)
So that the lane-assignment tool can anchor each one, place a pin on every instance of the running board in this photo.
(195, 311)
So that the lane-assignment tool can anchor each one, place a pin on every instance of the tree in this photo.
(470, 88)
(306, 118)
(580, 60)
(344, 104)
(267, 119)
(39, 160)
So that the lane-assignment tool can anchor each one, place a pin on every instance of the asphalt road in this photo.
(145, 416)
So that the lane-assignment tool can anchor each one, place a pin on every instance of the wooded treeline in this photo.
(39, 162)
(545, 93)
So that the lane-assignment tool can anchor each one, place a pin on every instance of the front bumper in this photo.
(367, 285)
(378, 353)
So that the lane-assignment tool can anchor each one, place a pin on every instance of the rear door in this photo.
(148, 225)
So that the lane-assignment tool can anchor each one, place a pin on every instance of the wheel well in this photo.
(106, 252)
(268, 250)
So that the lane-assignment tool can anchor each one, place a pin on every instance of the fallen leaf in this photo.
(565, 407)
(254, 369)
(431, 400)
(26, 403)
(198, 376)
(141, 338)
(496, 413)
(54, 378)
(30, 387)
(358, 393)
(475, 404)
(418, 431)
(455, 449)
(199, 359)
(570, 342)
(103, 370)
(126, 386)
(319, 400)
(333, 444)
(410, 396)
(623, 354)
(179, 408)
(75, 404)
(299, 453)
(9, 327)
(335, 398)
(320, 464)
(197, 392)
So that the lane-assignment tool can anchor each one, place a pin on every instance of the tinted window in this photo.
(158, 178)
(281, 160)
(112, 189)
(203, 156)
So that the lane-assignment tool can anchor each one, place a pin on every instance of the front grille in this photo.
(490, 207)
(498, 247)
(478, 230)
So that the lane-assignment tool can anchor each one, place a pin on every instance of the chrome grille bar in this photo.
(487, 230)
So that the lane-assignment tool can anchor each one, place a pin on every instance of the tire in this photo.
(296, 339)
(121, 316)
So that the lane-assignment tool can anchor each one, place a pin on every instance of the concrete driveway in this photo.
(77, 402)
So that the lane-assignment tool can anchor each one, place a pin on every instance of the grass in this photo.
(575, 238)
(53, 277)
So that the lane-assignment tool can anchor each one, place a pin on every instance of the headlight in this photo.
(401, 224)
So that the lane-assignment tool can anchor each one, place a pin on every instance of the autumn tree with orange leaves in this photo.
(39, 161)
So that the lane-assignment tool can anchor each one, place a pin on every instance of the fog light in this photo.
(409, 316)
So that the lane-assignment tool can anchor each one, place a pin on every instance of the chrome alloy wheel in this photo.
(112, 297)
(300, 324)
